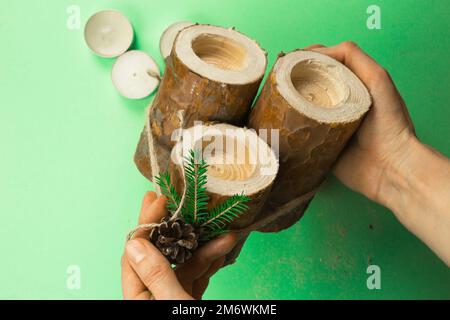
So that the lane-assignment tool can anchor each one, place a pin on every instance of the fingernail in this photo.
(135, 251)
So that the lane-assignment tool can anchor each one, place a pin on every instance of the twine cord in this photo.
(281, 211)
(156, 172)
(151, 151)
(177, 213)
(145, 226)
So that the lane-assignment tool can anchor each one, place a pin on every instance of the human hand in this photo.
(388, 164)
(384, 136)
(146, 273)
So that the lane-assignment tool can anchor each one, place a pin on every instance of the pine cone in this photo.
(175, 239)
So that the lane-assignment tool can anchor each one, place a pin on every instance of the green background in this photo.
(69, 191)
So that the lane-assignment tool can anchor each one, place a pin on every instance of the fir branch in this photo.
(225, 213)
(196, 199)
(168, 190)
(194, 210)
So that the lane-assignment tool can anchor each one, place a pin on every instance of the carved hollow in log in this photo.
(316, 104)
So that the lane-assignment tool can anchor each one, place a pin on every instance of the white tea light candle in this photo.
(108, 33)
(169, 35)
(135, 74)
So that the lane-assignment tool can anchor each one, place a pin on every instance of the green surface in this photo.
(69, 191)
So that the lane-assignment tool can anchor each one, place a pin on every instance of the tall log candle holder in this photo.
(316, 104)
(212, 74)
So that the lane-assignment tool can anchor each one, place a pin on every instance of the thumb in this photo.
(154, 270)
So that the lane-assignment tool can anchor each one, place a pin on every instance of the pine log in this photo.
(142, 158)
(315, 103)
(213, 74)
(238, 162)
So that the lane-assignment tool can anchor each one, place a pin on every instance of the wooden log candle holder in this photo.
(212, 74)
(239, 162)
(316, 104)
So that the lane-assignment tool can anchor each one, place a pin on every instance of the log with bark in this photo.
(212, 74)
(239, 161)
(315, 104)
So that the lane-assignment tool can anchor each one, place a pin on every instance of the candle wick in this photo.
(153, 74)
